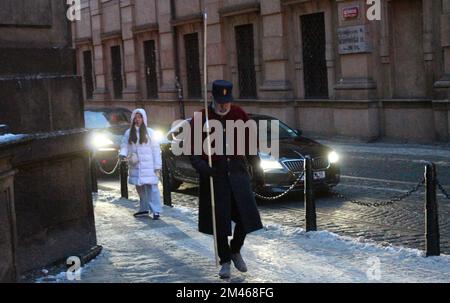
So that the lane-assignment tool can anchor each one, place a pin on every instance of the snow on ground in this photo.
(9, 137)
(417, 150)
(172, 250)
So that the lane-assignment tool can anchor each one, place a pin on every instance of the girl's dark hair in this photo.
(143, 135)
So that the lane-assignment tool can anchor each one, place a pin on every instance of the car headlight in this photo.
(158, 135)
(270, 164)
(101, 140)
(333, 157)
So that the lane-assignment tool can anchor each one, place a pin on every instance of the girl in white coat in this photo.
(142, 149)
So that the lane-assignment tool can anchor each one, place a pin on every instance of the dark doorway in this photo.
(193, 65)
(246, 61)
(87, 74)
(116, 60)
(314, 62)
(406, 33)
(150, 69)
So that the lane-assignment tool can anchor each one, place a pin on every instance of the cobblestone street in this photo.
(371, 173)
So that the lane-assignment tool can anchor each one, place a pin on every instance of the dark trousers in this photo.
(225, 250)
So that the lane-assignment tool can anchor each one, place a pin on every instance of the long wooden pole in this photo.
(205, 95)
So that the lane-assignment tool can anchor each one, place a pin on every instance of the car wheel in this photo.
(175, 184)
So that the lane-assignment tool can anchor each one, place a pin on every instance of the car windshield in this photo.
(94, 119)
(284, 131)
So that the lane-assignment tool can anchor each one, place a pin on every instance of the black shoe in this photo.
(225, 271)
(239, 263)
(141, 213)
(156, 216)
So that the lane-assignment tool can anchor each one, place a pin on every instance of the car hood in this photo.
(118, 130)
(299, 147)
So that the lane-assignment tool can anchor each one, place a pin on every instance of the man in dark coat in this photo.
(234, 198)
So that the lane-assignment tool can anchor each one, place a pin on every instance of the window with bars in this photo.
(191, 45)
(87, 74)
(150, 69)
(246, 61)
(116, 71)
(314, 61)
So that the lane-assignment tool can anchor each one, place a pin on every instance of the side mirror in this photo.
(298, 132)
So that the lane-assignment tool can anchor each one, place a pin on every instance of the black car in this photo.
(108, 126)
(277, 175)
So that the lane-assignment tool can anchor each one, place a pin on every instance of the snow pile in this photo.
(172, 250)
(329, 237)
(58, 278)
(10, 137)
(391, 149)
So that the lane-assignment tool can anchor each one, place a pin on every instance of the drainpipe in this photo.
(173, 14)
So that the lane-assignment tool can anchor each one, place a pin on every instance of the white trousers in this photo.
(149, 198)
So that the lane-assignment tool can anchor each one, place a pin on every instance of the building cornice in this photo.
(111, 35)
(293, 2)
(188, 19)
(85, 40)
(233, 10)
(148, 27)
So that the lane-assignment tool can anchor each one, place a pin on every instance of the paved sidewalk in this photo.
(172, 250)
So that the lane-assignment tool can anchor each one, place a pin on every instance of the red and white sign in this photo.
(350, 12)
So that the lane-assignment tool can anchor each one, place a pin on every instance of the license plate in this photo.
(317, 175)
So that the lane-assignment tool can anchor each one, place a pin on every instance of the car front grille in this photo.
(320, 163)
(296, 166)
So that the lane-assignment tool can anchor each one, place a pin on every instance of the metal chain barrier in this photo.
(442, 189)
(384, 203)
(271, 198)
(258, 195)
(106, 172)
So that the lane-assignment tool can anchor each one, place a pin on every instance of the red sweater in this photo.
(236, 113)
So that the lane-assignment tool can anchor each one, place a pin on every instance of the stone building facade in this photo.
(320, 65)
(46, 209)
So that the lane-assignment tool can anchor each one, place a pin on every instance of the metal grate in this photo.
(116, 60)
(150, 69)
(193, 65)
(320, 163)
(296, 166)
(87, 74)
(314, 61)
(246, 61)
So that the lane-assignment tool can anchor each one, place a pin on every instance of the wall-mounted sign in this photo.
(354, 39)
(350, 12)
